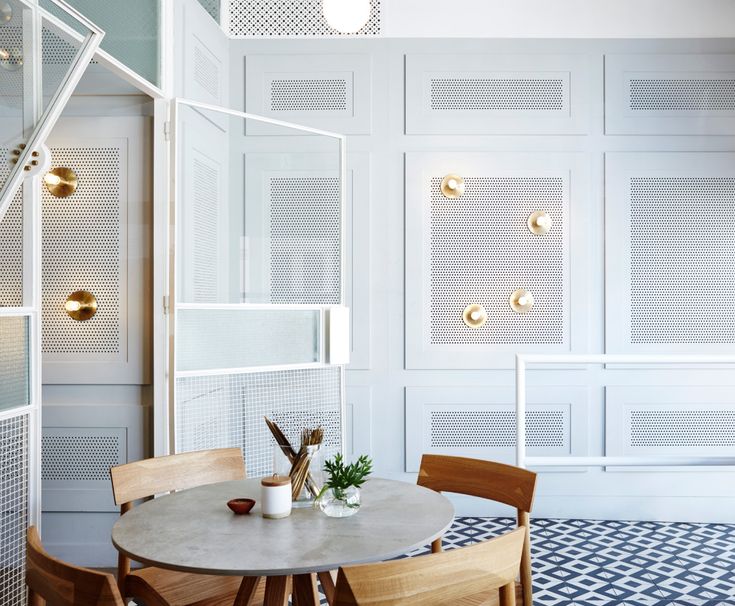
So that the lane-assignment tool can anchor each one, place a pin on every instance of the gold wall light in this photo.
(452, 186)
(81, 305)
(474, 315)
(6, 12)
(539, 222)
(521, 301)
(61, 182)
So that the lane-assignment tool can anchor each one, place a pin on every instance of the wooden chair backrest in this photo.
(62, 584)
(503, 483)
(436, 579)
(158, 475)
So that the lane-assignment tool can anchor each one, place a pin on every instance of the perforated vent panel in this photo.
(308, 95)
(14, 362)
(469, 238)
(687, 428)
(227, 411)
(206, 72)
(495, 428)
(279, 18)
(205, 219)
(80, 454)
(682, 94)
(14, 485)
(499, 94)
(11, 244)
(83, 249)
(305, 240)
(682, 277)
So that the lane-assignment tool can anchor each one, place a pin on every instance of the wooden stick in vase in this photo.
(291, 455)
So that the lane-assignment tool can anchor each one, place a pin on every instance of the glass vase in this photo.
(340, 502)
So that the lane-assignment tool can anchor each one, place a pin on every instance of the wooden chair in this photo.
(494, 481)
(143, 480)
(61, 584)
(438, 579)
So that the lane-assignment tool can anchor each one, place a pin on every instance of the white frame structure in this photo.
(522, 361)
(333, 318)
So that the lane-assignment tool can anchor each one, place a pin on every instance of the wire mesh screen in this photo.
(14, 367)
(227, 411)
(13, 509)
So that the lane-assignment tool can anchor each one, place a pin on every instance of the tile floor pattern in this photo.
(612, 563)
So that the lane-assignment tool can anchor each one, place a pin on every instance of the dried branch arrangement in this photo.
(300, 461)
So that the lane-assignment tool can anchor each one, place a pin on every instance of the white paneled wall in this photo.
(534, 125)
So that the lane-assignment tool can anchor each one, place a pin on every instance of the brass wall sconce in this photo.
(6, 12)
(474, 315)
(452, 186)
(61, 182)
(521, 301)
(81, 305)
(11, 59)
(539, 223)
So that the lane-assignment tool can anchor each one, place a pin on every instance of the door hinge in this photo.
(167, 130)
(165, 305)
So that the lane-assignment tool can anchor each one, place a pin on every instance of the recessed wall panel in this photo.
(669, 253)
(682, 94)
(496, 94)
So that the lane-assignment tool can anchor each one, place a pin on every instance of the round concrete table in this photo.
(194, 531)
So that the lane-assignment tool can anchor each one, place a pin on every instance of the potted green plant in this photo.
(340, 496)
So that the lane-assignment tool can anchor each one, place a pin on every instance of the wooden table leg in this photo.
(304, 590)
(247, 591)
(327, 581)
(276, 591)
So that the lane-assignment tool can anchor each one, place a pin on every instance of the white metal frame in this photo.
(173, 308)
(523, 360)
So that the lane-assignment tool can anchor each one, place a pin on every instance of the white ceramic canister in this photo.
(275, 496)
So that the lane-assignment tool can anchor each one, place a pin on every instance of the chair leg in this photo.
(247, 591)
(276, 593)
(526, 579)
(304, 590)
(34, 599)
(327, 581)
(508, 594)
(436, 546)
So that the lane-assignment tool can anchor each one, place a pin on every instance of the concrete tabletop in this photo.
(194, 531)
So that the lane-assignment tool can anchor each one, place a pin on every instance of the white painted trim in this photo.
(11, 413)
(216, 372)
(256, 306)
(669, 461)
(16, 311)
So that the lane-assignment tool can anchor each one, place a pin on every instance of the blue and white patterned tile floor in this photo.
(612, 563)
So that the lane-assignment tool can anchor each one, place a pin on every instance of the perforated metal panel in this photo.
(227, 411)
(11, 244)
(499, 94)
(205, 221)
(305, 262)
(496, 94)
(206, 72)
(470, 236)
(14, 486)
(84, 248)
(81, 454)
(14, 362)
(681, 278)
(677, 427)
(280, 18)
(326, 94)
(670, 94)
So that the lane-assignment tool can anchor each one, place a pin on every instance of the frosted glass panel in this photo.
(131, 31)
(257, 222)
(14, 365)
(216, 338)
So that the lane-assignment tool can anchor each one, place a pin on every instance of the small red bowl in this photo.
(241, 506)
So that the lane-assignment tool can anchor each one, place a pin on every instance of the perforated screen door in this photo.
(30, 38)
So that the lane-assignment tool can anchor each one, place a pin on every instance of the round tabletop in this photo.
(194, 531)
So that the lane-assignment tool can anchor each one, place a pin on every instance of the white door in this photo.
(43, 53)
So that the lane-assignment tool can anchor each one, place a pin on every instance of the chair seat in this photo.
(490, 598)
(160, 587)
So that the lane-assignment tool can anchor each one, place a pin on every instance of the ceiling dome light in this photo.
(346, 16)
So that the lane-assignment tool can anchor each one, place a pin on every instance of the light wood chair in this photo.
(494, 481)
(60, 584)
(437, 579)
(159, 587)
